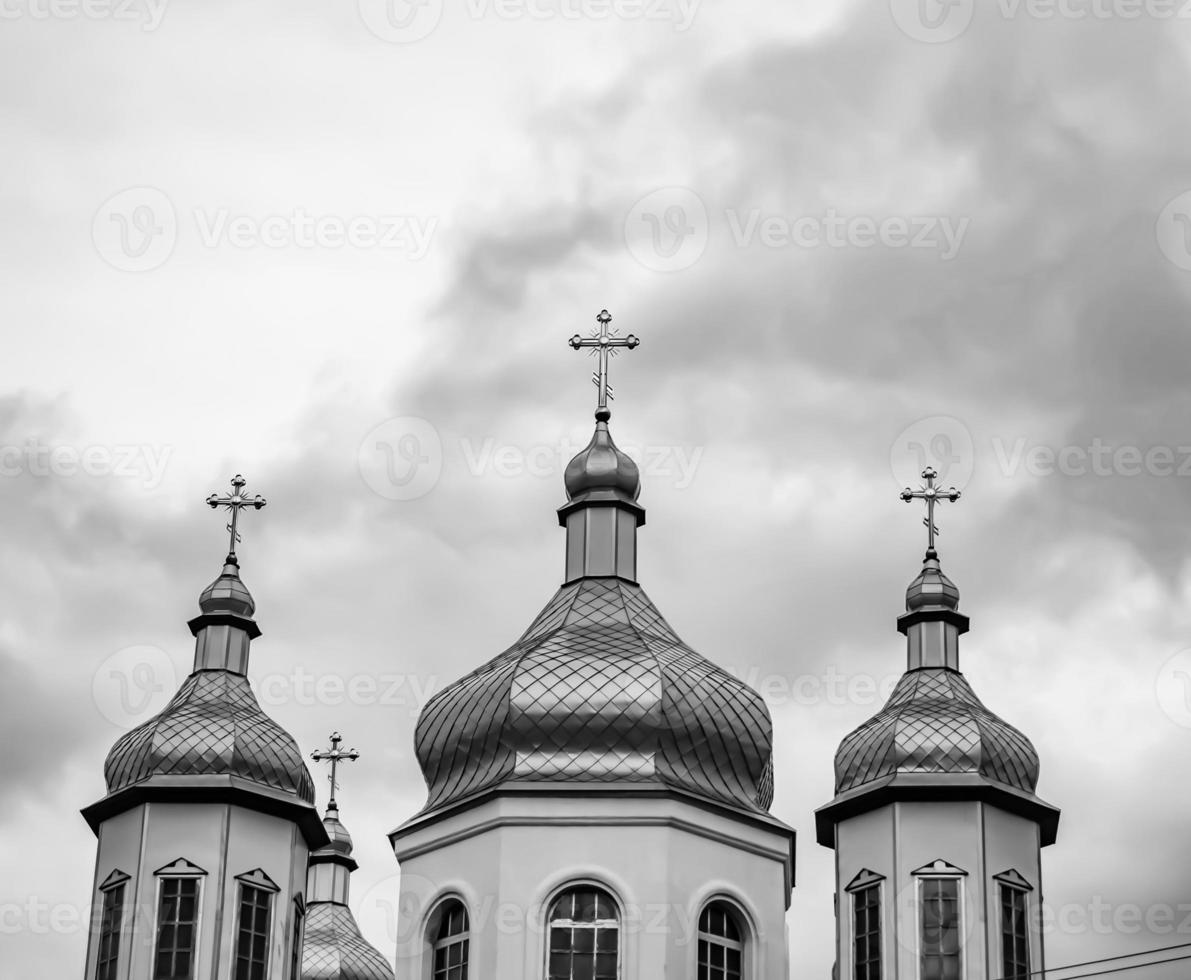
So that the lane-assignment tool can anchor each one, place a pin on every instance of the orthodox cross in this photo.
(604, 344)
(233, 503)
(932, 495)
(335, 755)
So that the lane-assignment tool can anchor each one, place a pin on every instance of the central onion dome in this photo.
(599, 690)
(934, 722)
(214, 724)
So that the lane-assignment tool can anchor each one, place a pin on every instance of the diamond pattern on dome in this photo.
(599, 689)
(333, 949)
(934, 723)
(212, 725)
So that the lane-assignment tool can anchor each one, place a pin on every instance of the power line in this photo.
(1122, 969)
(1110, 959)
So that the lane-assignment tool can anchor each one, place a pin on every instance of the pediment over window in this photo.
(258, 879)
(863, 880)
(117, 877)
(939, 869)
(1014, 879)
(181, 868)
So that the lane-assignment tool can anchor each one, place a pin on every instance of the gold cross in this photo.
(604, 344)
(234, 502)
(335, 755)
(932, 495)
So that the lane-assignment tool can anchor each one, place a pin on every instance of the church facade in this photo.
(597, 803)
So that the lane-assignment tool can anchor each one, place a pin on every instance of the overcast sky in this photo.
(340, 248)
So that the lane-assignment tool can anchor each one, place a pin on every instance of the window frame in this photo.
(941, 870)
(1014, 883)
(434, 942)
(259, 882)
(179, 870)
(576, 885)
(297, 937)
(114, 884)
(743, 928)
(864, 882)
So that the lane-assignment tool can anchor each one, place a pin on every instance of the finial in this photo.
(233, 503)
(334, 755)
(932, 495)
(604, 344)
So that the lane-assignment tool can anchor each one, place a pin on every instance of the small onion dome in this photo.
(341, 840)
(227, 594)
(213, 726)
(932, 589)
(934, 723)
(601, 466)
(333, 949)
(599, 690)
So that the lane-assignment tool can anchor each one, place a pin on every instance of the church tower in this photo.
(599, 792)
(208, 820)
(332, 948)
(936, 827)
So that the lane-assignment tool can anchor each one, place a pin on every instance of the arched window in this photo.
(721, 944)
(450, 943)
(584, 936)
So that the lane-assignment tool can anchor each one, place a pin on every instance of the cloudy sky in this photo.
(340, 248)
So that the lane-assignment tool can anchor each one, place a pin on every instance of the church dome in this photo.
(602, 466)
(333, 949)
(935, 723)
(213, 725)
(227, 594)
(599, 690)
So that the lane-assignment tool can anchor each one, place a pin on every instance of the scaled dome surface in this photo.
(599, 690)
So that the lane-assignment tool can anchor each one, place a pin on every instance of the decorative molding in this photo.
(117, 877)
(258, 879)
(1014, 879)
(864, 879)
(180, 868)
(939, 869)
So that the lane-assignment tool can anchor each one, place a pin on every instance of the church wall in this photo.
(659, 873)
(896, 840)
(224, 841)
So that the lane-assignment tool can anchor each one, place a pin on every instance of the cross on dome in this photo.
(334, 755)
(931, 495)
(234, 502)
(604, 344)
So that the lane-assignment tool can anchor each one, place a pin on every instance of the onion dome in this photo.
(935, 723)
(214, 724)
(333, 949)
(934, 739)
(332, 946)
(602, 466)
(599, 690)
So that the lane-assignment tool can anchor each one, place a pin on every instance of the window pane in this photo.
(584, 936)
(1015, 949)
(173, 959)
(941, 943)
(252, 939)
(451, 943)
